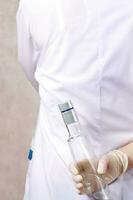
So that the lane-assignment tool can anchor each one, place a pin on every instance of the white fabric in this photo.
(80, 50)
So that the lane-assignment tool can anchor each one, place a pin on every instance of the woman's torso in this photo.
(89, 59)
(86, 55)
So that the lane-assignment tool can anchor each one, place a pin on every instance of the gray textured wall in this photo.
(18, 109)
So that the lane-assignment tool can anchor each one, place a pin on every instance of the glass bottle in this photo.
(83, 155)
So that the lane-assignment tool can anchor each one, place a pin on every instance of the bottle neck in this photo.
(74, 130)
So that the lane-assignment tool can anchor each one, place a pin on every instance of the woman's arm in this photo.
(128, 150)
(26, 55)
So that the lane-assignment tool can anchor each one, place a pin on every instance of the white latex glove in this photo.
(110, 166)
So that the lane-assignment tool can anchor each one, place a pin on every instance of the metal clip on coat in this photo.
(83, 155)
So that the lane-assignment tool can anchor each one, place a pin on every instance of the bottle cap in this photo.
(68, 113)
(65, 106)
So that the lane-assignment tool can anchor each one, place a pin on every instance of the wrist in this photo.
(123, 160)
(128, 150)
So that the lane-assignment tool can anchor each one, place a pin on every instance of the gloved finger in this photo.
(77, 178)
(73, 168)
(79, 186)
(103, 165)
(80, 191)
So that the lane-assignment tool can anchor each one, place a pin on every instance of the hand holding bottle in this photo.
(83, 155)
(110, 167)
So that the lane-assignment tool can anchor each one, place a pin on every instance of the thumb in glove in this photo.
(112, 165)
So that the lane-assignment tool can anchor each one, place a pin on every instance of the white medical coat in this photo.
(80, 50)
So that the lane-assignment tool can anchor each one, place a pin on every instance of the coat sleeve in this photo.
(25, 50)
